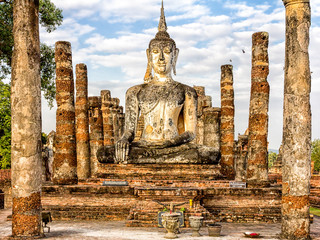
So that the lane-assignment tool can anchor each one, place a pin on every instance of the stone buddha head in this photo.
(162, 52)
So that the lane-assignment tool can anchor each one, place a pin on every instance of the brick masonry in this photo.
(65, 160)
(227, 122)
(257, 162)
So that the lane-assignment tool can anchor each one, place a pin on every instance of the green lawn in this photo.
(315, 211)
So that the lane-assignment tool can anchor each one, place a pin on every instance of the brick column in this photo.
(257, 163)
(65, 160)
(296, 123)
(227, 122)
(107, 117)
(82, 123)
(241, 158)
(204, 102)
(115, 118)
(211, 131)
(121, 121)
(26, 121)
(96, 132)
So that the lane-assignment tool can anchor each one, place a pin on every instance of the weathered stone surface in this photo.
(107, 117)
(48, 156)
(212, 128)
(296, 140)
(96, 131)
(186, 153)
(277, 165)
(208, 121)
(26, 120)
(227, 122)
(241, 154)
(257, 162)
(26, 214)
(65, 161)
(115, 112)
(82, 123)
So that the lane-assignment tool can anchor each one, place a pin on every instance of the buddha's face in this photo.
(162, 57)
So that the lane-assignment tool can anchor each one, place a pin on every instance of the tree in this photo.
(50, 18)
(315, 154)
(272, 157)
(5, 126)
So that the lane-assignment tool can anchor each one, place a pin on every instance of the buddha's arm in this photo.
(131, 114)
(190, 117)
(131, 119)
(190, 113)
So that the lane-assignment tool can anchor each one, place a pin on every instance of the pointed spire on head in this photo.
(162, 34)
(162, 23)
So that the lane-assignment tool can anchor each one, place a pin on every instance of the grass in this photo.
(315, 211)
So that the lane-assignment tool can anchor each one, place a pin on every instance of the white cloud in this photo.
(70, 31)
(245, 11)
(128, 11)
(112, 45)
(206, 42)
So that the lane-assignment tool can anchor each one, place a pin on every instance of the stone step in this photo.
(160, 172)
(59, 190)
(70, 213)
(162, 183)
(243, 214)
(182, 194)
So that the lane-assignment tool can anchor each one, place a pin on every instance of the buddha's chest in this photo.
(160, 97)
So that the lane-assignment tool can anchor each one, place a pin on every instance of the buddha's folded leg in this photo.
(106, 154)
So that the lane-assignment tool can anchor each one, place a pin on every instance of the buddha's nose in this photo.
(161, 58)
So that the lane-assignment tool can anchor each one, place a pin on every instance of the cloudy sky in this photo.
(111, 36)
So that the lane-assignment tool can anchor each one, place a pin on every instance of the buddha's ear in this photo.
(148, 54)
(148, 74)
(175, 58)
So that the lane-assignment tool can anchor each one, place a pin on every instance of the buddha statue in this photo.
(169, 111)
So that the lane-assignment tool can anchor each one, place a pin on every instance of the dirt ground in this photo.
(117, 231)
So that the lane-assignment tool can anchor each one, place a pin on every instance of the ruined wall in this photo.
(241, 155)
(48, 151)
(113, 118)
(96, 131)
(107, 118)
(208, 120)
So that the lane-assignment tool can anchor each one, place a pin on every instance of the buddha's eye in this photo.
(155, 51)
(167, 51)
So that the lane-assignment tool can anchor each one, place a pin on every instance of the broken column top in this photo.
(288, 2)
(94, 101)
(200, 90)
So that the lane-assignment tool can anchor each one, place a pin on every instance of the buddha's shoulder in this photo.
(187, 89)
(135, 89)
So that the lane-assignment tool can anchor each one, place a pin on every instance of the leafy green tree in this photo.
(5, 126)
(50, 18)
(315, 154)
(272, 157)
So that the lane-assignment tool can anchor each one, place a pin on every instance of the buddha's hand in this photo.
(183, 138)
(122, 150)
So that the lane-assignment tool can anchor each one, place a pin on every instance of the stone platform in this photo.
(139, 206)
(185, 172)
